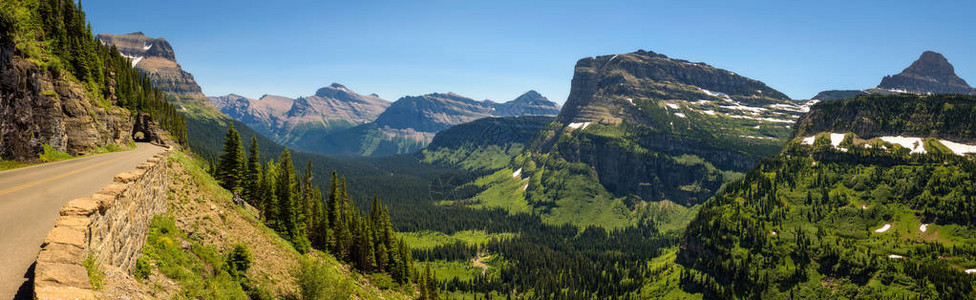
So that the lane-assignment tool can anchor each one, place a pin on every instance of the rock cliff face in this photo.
(930, 74)
(645, 74)
(156, 58)
(667, 129)
(38, 107)
(110, 227)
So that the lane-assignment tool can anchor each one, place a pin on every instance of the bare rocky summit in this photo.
(930, 74)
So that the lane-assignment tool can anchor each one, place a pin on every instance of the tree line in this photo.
(294, 207)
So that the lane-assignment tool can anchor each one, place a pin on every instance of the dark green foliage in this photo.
(251, 185)
(822, 229)
(316, 282)
(491, 131)
(238, 261)
(296, 208)
(945, 116)
(230, 168)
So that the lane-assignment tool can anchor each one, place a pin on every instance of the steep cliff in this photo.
(658, 128)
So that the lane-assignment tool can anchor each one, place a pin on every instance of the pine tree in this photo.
(271, 207)
(289, 208)
(252, 175)
(344, 225)
(231, 165)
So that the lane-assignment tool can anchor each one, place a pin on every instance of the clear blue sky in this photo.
(499, 49)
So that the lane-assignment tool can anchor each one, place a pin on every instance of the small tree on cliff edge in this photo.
(230, 168)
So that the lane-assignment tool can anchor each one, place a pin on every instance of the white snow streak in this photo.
(957, 148)
(517, 173)
(579, 125)
(836, 139)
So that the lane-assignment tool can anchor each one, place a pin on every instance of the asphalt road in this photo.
(31, 197)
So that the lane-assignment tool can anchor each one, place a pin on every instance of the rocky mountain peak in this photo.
(600, 83)
(154, 57)
(931, 73)
(530, 96)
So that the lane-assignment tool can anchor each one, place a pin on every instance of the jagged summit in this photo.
(931, 73)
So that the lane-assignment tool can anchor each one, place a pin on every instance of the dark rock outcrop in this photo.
(832, 95)
(38, 108)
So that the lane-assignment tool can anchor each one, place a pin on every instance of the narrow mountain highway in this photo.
(30, 201)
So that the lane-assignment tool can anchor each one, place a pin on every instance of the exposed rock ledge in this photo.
(110, 227)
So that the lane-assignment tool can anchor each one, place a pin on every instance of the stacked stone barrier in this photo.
(109, 227)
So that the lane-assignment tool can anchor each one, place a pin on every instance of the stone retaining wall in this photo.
(110, 227)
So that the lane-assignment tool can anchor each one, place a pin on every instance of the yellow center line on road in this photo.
(49, 179)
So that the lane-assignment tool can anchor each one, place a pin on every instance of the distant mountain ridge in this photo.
(288, 120)
(931, 73)
(411, 122)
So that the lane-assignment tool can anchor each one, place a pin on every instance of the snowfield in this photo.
(957, 148)
(135, 60)
(913, 143)
(579, 125)
(517, 173)
(836, 139)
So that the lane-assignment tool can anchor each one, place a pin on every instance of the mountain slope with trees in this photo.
(842, 214)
